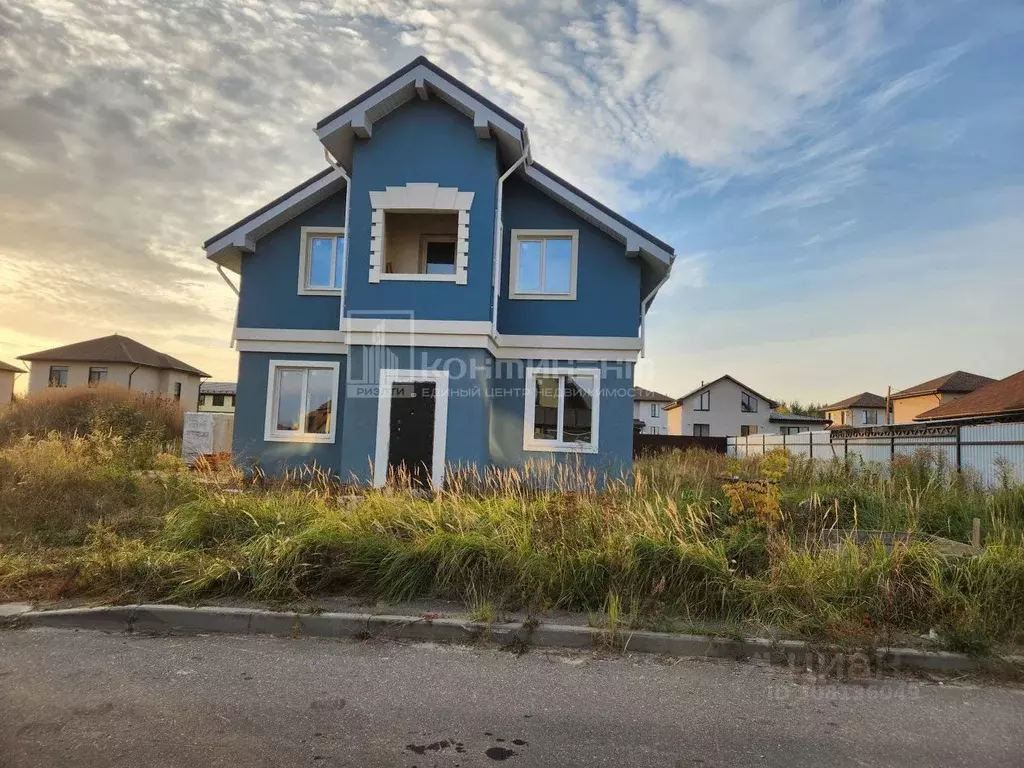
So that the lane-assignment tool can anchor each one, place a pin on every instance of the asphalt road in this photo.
(94, 699)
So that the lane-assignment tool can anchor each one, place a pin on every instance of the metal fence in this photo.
(645, 445)
(989, 450)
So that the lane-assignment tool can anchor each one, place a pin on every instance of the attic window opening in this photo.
(420, 245)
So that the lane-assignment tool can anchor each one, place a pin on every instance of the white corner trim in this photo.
(543, 235)
(272, 435)
(419, 197)
(530, 443)
(389, 377)
(306, 235)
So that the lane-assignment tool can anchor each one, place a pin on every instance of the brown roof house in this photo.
(115, 359)
(1001, 400)
(864, 410)
(909, 403)
(7, 375)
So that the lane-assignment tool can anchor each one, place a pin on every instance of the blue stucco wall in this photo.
(248, 445)
(424, 141)
(608, 283)
(615, 436)
(269, 287)
(467, 433)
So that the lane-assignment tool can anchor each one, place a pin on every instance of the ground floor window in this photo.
(702, 430)
(749, 429)
(58, 376)
(562, 409)
(301, 399)
(97, 376)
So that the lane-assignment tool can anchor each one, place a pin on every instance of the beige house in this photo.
(724, 407)
(7, 374)
(864, 410)
(115, 360)
(217, 396)
(909, 403)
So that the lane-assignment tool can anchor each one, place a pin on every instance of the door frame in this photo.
(388, 378)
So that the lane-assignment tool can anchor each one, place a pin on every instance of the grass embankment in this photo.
(79, 518)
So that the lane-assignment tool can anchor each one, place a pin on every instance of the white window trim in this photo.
(530, 443)
(274, 436)
(307, 234)
(388, 378)
(540, 234)
(419, 198)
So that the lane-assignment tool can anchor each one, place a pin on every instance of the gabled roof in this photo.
(217, 388)
(955, 382)
(10, 368)
(112, 349)
(649, 395)
(1000, 398)
(423, 79)
(863, 400)
(679, 400)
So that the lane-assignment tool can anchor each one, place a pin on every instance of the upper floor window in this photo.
(58, 376)
(703, 402)
(321, 260)
(419, 232)
(218, 401)
(562, 409)
(543, 264)
(748, 403)
(655, 410)
(97, 376)
(870, 417)
(300, 401)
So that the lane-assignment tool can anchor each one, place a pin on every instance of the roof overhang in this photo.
(418, 80)
(227, 247)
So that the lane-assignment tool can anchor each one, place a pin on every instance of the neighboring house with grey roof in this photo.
(909, 403)
(649, 411)
(117, 360)
(217, 396)
(8, 373)
(864, 410)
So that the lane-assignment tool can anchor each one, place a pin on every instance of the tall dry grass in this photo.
(671, 543)
(80, 411)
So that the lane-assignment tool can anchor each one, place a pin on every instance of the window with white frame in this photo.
(301, 401)
(543, 264)
(562, 410)
(321, 261)
(704, 401)
(748, 403)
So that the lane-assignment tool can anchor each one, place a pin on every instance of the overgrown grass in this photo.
(670, 543)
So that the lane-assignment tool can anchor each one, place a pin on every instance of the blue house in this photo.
(435, 299)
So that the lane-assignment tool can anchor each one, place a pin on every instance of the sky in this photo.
(842, 180)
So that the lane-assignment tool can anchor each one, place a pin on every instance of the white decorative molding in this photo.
(390, 377)
(417, 197)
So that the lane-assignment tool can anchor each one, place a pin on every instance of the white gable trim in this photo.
(634, 240)
(417, 82)
(227, 249)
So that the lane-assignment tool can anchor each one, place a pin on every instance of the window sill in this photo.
(418, 278)
(517, 296)
(559, 447)
(320, 292)
(299, 438)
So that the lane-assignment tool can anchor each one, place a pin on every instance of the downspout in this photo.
(643, 311)
(498, 230)
(132, 373)
(344, 247)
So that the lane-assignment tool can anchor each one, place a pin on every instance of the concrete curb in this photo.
(176, 619)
